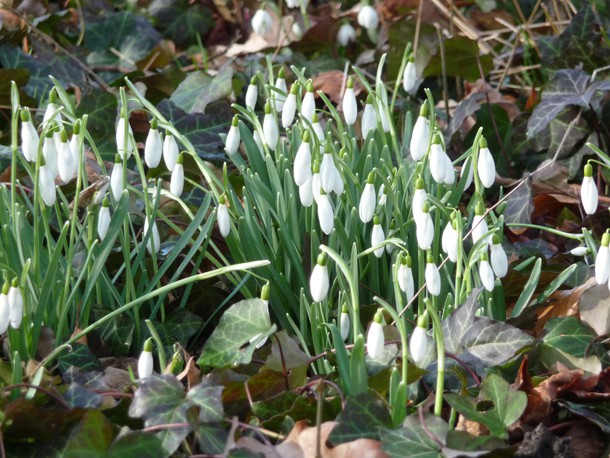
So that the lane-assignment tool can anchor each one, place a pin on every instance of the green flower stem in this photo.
(440, 355)
(403, 64)
(459, 265)
(567, 235)
(14, 145)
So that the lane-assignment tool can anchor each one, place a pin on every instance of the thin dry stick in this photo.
(417, 27)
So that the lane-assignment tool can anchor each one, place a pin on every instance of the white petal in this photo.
(15, 301)
(29, 141)
(479, 226)
(449, 242)
(319, 283)
(176, 184)
(346, 34)
(433, 279)
(261, 22)
(418, 345)
(154, 241)
(602, 265)
(5, 313)
(325, 214)
(279, 98)
(589, 195)
(290, 109)
(368, 17)
(375, 340)
(366, 208)
(369, 120)
(153, 148)
(487, 275)
(344, 325)
(270, 131)
(328, 173)
(409, 78)
(350, 107)
(437, 162)
(317, 129)
(302, 164)
(424, 231)
(306, 192)
(65, 162)
(308, 106)
(377, 237)
(405, 281)
(419, 138)
(419, 197)
(46, 183)
(316, 185)
(50, 155)
(498, 260)
(224, 222)
(486, 168)
(170, 152)
(251, 96)
(116, 181)
(121, 140)
(145, 364)
(103, 222)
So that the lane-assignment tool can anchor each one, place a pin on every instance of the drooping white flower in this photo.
(15, 302)
(103, 219)
(369, 117)
(450, 241)
(383, 195)
(297, 31)
(290, 107)
(308, 105)
(418, 344)
(318, 281)
(124, 143)
(5, 310)
(421, 134)
(486, 167)
(76, 147)
(297, 3)
(154, 241)
(424, 228)
(279, 96)
(409, 77)
(65, 160)
(252, 94)
(377, 237)
(326, 216)
(449, 171)
(46, 184)
(29, 136)
(170, 151)
(602, 261)
(317, 128)
(375, 340)
(433, 277)
(419, 197)
(270, 130)
(588, 191)
(467, 167)
(259, 143)
(486, 273)
(368, 17)
(346, 34)
(306, 192)
(49, 152)
(578, 251)
(479, 225)
(233, 137)
(117, 183)
(498, 258)
(52, 112)
(261, 22)
(176, 184)
(344, 323)
(222, 217)
(302, 161)
(383, 117)
(316, 183)
(437, 159)
(404, 276)
(145, 361)
(368, 199)
(328, 171)
(350, 106)
(153, 148)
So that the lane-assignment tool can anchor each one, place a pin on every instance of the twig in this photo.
(46, 391)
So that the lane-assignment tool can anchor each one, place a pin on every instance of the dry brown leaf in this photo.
(586, 440)
(537, 409)
(331, 84)
(471, 427)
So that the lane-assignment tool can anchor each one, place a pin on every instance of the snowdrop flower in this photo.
(154, 241)
(270, 130)
(308, 105)
(486, 273)
(366, 208)
(170, 151)
(369, 117)
(346, 34)
(252, 93)
(419, 197)
(467, 167)
(257, 139)
(350, 107)
(297, 31)
(302, 161)
(318, 282)
(176, 184)
(578, 251)
(498, 258)
(383, 117)
(486, 168)
(479, 226)
(261, 22)
(29, 136)
(409, 77)
(153, 148)
(290, 107)
(437, 159)
(52, 112)
(449, 171)
(123, 142)
(404, 276)
(297, 3)
(145, 362)
(450, 240)
(588, 191)
(117, 183)
(316, 183)
(49, 152)
(433, 277)
(75, 147)
(420, 135)
(65, 160)
(15, 302)
(233, 137)
(368, 17)
(317, 128)
(375, 340)
(329, 175)
(602, 261)
(344, 323)
(280, 84)
(383, 195)
(418, 345)
(5, 310)
(306, 192)
(103, 219)
(377, 237)
(424, 228)
(46, 184)
(222, 217)
(325, 213)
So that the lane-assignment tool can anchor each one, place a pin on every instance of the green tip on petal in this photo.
(168, 133)
(15, 283)
(148, 345)
(371, 178)
(423, 111)
(369, 99)
(425, 208)
(436, 139)
(50, 133)
(6, 287)
(253, 79)
(350, 83)
(268, 108)
(411, 58)
(309, 86)
(235, 121)
(265, 291)
(606, 239)
(392, 224)
(376, 219)
(306, 136)
(153, 123)
(484, 256)
(105, 202)
(222, 200)
(63, 135)
(294, 89)
(378, 316)
(180, 159)
(479, 209)
(429, 258)
(53, 96)
(495, 239)
(25, 115)
(316, 166)
(117, 159)
(409, 260)
(422, 320)
(281, 73)
(315, 118)
(419, 183)
(483, 142)
(588, 170)
(77, 126)
(344, 308)
(322, 258)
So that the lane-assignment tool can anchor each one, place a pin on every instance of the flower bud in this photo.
(433, 277)
(302, 161)
(145, 362)
(405, 277)
(261, 22)
(318, 282)
(308, 106)
(290, 107)
(350, 107)
(588, 191)
(103, 219)
(252, 94)
(602, 261)
(368, 199)
(270, 130)
(346, 34)
(344, 323)
(418, 345)
(498, 258)
(15, 302)
(153, 148)
(486, 168)
(369, 117)
(170, 151)
(377, 237)
(176, 184)
(222, 217)
(65, 159)
(279, 96)
(409, 77)
(375, 340)
(154, 241)
(368, 17)
(5, 310)
(420, 135)
(486, 273)
(325, 213)
(29, 136)
(116, 178)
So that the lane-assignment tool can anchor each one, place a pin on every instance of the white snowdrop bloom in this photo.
(438, 165)
(170, 151)
(409, 77)
(418, 345)
(486, 273)
(316, 184)
(297, 31)
(46, 184)
(368, 199)
(5, 310)
(578, 251)
(433, 277)
(326, 216)
(602, 261)
(421, 134)
(145, 361)
(368, 17)
(369, 117)
(153, 148)
(297, 3)
(328, 171)
(302, 161)
(290, 107)
(383, 195)
(49, 152)
(154, 241)
(346, 34)
(15, 302)
(419, 197)
(449, 171)
(252, 94)
(486, 168)
(77, 151)
(404, 276)
(279, 96)
(65, 160)
(377, 237)
(467, 167)
(350, 106)
(498, 258)
(317, 128)
(308, 105)
(270, 130)
(222, 217)
(103, 219)
(123, 141)
(318, 281)
(588, 191)
(375, 341)
(29, 137)
(53, 110)
(424, 229)
(450, 240)
(176, 184)
(479, 225)
(257, 139)
(306, 192)
(117, 183)
(261, 22)
(337, 180)
(344, 323)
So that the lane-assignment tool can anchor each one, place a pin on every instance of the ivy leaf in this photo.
(497, 407)
(91, 437)
(200, 89)
(568, 334)
(80, 356)
(414, 438)
(180, 327)
(460, 60)
(520, 204)
(457, 324)
(100, 106)
(242, 322)
(289, 357)
(181, 20)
